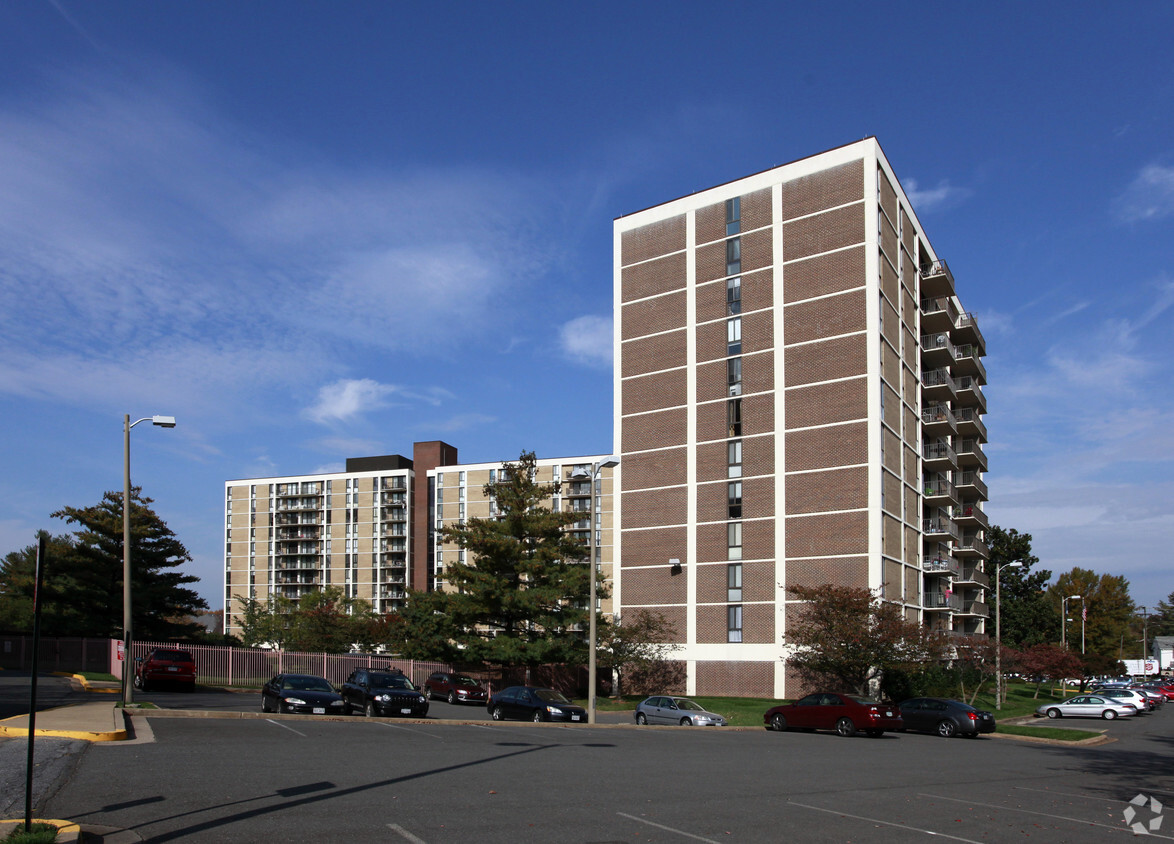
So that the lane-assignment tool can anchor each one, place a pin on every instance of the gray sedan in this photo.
(1088, 706)
(676, 710)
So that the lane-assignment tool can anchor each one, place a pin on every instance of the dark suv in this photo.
(455, 688)
(166, 665)
(382, 691)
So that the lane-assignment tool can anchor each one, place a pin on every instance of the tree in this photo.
(1161, 622)
(17, 575)
(323, 621)
(1028, 616)
(1107, 604)
(1048, 662)
(521, 597)
(974, 661)
(849, 636)
(638, 647)
(422, 629)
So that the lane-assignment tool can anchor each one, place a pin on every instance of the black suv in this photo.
(455, 688)
(382, 691)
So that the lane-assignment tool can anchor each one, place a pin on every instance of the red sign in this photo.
(121, 650)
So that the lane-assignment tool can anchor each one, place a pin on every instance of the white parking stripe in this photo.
(1124, 829)
(666, 828)
(410, 730)
(291, 729)
(884, 823)
(1069, 794)
(394, 827)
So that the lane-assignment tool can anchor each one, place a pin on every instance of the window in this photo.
(734, 336)
(734, 540)
(734, 623)
(734, 256)
(734, 499)
(733, 215)
(734, 295)
(734, 376)
(734, 583)
(734, 418)
(734, 458)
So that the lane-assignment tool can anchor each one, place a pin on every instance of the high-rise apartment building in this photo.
(798, 401)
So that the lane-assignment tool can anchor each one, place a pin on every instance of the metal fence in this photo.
(67, 653)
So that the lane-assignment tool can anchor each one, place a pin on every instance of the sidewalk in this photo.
(99, 721)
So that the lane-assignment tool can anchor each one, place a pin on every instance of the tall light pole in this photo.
(608, 463)
(127, 670)
(1145, 624)
(999, 632)
(1064, 618)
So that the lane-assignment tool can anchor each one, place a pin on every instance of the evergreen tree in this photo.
(59, 617)
(1161, 622)
(1028, 615)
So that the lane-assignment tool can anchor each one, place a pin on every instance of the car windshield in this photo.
(550, 696)
(306, 684)
(862, 699)
(174, 656)
(464, 681)
(685, 703)
(391, 681)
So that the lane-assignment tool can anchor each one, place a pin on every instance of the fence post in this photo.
(231, 651)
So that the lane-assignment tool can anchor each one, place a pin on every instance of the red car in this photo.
(846, 714)
(165, 665)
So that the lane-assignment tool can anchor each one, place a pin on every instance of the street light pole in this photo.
(1145, 624)
(592, 634)
(127, 671)
(1081, 599)
(999, 684)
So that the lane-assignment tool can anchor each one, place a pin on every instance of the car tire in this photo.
(137, 682)
(428, 692)
(947, 728)
(452, 698)
(497, 714)
(778, 723)
(1054, 713)
(369, 710)
(264, 704)
(1109, 714)
(845, 728)
(537, 717)
(686, 722)
(641, 718)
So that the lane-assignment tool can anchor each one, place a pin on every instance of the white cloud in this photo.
(462, 422)
(347, 398)
(588, 340)
(933, 199)
(1150, 196)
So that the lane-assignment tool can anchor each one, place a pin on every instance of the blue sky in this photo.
(313, 231)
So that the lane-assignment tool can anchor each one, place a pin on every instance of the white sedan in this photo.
(1088, 706)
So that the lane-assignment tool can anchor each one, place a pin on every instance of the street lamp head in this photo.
(609, 462)
(1075, 597)
(163, 421)
(1016, 564)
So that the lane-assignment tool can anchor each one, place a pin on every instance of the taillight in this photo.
(973, 716)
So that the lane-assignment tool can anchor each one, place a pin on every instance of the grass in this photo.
(98, 675)
(38, 833)
(739, 711)
(1059, 733)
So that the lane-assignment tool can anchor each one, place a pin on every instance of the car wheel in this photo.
(497, 714)
(137, 682)
(537, 719)
(264, 704)
(370, 710)
(778, 723)
(685, 722)
(947, 728)
(845, 727)
(1109, 714)
(641, 718)
(1053, 713)
(452, 698)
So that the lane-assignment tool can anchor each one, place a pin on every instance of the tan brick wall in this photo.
(757, 293)
(892, 325)
(825, 403)
(711, 341)
(711, 222)
(894, 495)
(758, 582)
(906, 231)
(894, 581)
(657, 276)
(649, 547)
(758, 456)
(650, 586)
(822, 448)
(823, 275)
(890, 284)
(888, 242)
(757, 624)
(655, 507)
(756, 209)
(912, 541)
(758, 333)
(816, 319)
(757, 499)
(838, 358)
(654, 392)
(909, 458)
(758, 372)
(910, 349)
(842, 571)
(910, 429)
(711, 261)
(654, 239)
(893, 534)
(908, 311)
(834, 534)
(823, 232)
(892, 449)
(649, 354)
(652, 315)
(825, 189)
(757, 250)
(910, 391)
(757, 542)
(819, 492)
(736, 679)
(654, 469)
(665, 427)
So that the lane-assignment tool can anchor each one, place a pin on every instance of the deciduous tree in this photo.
(638, 647)
(323, 621)
(1107, 603)
(1048, 662)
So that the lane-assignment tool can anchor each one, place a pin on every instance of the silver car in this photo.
(1088, 706)
(676, 710)
(1141, 701)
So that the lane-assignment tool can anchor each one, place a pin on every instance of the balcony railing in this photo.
(971, 510)
(973, 479)
(938, 313)
(967, 330)
(974, 608)
(969, 421)
(970, 544)
(973, 574)
(970, 451)
(938, 486)
(937, 450)
(938, 271)
(941, 565)
(940, 527)
(935, 378)
(942, 601)
(937, 413)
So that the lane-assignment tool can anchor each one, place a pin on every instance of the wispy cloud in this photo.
(347, 398)
(1150, 196)
(588, 340)
(936, 198)
(462, 422)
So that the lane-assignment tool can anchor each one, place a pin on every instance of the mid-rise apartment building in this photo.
(798, 401)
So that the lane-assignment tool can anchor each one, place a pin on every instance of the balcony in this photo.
(941, 565)
(968, 361)
(937, 455)
(938, 314)
(977, 608)
(942, 601)
(970, 454)
(937, 420)
(971, 545)
(969, 515)
(937, 385)
(393, 499)
(285, 578)
(297, 532)
(290, 490)
(294, 504)
(971, 482)
(970, 393)
(966, 331)
(392, 594)
(939, 491)
(395, 560)
(939, 528)
(936, 280)
(286, 549)
(973, 574)
(969, 423)
(937, 350)
(394, 514)
(310, 518)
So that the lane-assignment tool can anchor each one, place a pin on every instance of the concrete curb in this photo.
(86, 687)
(12, 728)
(67, 831)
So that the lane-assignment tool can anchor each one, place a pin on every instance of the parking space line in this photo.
(410, 730)
(666, 828)
(1069, 794)
(394, 827)
(1124, 829)
(291, 729)
(884, 823)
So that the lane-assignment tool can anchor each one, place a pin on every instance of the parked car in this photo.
(1089, 706)
(301, 693)
(455, 688)
(382, 691)
(676, 710)
(1141, 701)
(165, 665)
(529, 703)
(947, 718)
(1164, 689)
(831, 711)
(1155, 697)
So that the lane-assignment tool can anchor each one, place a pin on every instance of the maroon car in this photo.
(165, 665)
(846, 714)
(455, 688)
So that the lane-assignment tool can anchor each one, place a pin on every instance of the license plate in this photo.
(888, 714)
(405, 712)
(574, 717)
(172, 668)
(318, 710)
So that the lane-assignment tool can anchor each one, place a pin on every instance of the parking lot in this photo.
(308, 779)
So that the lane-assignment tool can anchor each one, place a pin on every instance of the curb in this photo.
(67, 831)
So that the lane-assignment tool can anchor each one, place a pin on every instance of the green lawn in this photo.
(98, 675)
(1058, 733)
(739, 711)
